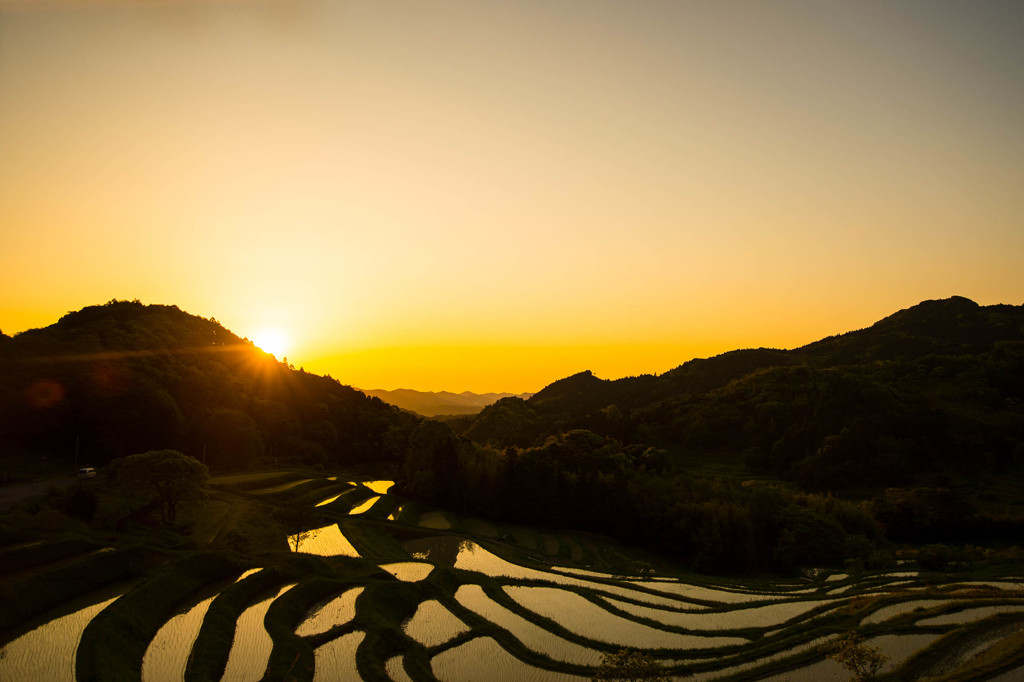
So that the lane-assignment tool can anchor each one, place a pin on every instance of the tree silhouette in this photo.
(860, 659)
(168, 475)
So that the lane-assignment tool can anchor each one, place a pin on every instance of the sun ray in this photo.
(273, 341)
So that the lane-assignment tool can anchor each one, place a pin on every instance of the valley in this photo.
(372, 585)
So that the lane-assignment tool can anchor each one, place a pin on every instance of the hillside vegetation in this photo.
(908, 432)
(124, 378)
(930, 392)
(735, 462)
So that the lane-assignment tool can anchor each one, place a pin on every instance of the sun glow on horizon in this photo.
(494, 196)
(273, 341)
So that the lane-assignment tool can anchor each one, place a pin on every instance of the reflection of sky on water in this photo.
(433, 624)
(327, 615)
(336, 660)
(167, 655)
(325, 541)
(250, 649)
(48, 652)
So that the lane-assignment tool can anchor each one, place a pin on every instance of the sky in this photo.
(490, 196)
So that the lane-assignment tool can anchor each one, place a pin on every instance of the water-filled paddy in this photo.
(533, 636)
(584, 618)
(465, 662)
(327, 501)
(336, 660)
(364, 505)
(167, 655)
(688, 591)
(555, 615)
(970, 615)
(893, 610)
(769, 615)
(433, 624)
(336, 611)
(250, 649)
(48, 652)
(473, 557)
(409, 571)
(325, 541)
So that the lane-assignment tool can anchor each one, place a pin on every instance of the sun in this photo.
(273, 341)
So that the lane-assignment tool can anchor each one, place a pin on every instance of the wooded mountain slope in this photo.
(936, 388)
(124, 377)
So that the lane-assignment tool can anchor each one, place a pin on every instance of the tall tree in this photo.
(169, 476)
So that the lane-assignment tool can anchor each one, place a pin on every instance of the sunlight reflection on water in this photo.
(48, 652)
(336, 660)
(433, 624)
(327, 615)
(325, 541)
(167, 655)
(250, 649)
(464, 663)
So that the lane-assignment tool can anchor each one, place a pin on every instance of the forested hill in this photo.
(936, 388)
(124, 377)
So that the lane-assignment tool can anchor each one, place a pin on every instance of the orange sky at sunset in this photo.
(490, 196)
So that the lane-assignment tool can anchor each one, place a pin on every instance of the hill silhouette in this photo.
(921, 415)
(909, 431)
(124, 377)
(938, 387)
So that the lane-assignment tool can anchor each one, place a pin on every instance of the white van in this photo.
(87, 472)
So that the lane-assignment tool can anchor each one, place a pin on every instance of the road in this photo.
(11, 495)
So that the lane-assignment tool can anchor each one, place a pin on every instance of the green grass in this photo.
(410, 514)
(213, 644)
(253, 481)
(35, 555)
(33, 594)
(292, 656)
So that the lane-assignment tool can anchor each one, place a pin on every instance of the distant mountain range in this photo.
(434, 403)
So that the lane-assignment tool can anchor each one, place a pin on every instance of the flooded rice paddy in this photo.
(324, 541)
(48, 651)
(464, 663)
(336, 660)
(333, 613)
(364, 505)
(585, 618)
(251, 646)
(439, 597)
(532, 636)
(167, 655)
(433, 624)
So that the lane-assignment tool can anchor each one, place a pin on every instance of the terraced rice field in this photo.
(437, 597)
